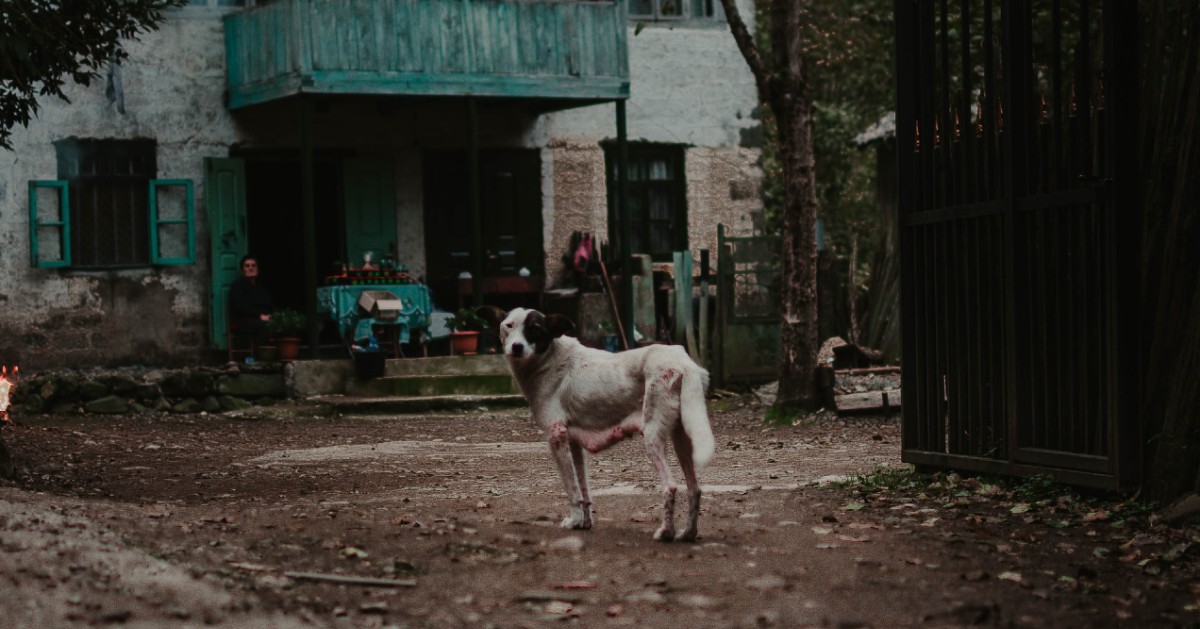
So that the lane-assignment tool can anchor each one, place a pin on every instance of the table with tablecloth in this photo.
(341, 304)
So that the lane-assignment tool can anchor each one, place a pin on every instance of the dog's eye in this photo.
(508, 325)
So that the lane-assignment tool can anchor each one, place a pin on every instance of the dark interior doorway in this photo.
(275, 227)
(511, 210)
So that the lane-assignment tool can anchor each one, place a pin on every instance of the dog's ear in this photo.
(491, 315)
(559, 325)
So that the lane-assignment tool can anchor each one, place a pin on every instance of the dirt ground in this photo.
(221, 520)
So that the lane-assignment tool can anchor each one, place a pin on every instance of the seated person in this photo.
(250, 305)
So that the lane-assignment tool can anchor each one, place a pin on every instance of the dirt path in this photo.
(197, 520)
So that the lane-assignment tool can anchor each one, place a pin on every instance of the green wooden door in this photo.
(225, 204)
(370, 203)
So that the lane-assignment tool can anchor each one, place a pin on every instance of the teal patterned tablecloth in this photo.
(341, 304)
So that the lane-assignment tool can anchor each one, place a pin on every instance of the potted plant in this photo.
(286, 328)
(464, 335)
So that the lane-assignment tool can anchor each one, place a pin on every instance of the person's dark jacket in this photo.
(248, 301)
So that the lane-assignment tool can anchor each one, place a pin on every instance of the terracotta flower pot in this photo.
(464, 342)
(288, 348)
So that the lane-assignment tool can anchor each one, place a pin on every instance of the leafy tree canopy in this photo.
(43, 42)
(849, 48)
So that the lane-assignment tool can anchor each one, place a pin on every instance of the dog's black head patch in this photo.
(527, 332)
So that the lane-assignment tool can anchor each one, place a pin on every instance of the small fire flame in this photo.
(8, 380)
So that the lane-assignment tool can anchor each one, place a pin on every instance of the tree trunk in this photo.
(798, 327)
(783, 88)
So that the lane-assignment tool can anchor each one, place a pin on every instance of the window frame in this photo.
(103, 150)
(63, 225)
(157, 224)
(686, 15)
(676, 185)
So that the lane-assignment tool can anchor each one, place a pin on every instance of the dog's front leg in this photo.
(574, 478)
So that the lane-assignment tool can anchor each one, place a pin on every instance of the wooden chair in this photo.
(231, 342)
(388, 338)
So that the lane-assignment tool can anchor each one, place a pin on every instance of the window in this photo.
(657, 193)
(216, 3)
(107, 209)
(676, 9)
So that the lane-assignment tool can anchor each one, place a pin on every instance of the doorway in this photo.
(511, 211)
(275, 228)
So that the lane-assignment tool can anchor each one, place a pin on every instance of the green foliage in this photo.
(848, 56)
(887, 479)
(466, 320)
(785, 415)
(287, 323)
(43, 42)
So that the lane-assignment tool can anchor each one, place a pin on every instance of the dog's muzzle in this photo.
(517, 350)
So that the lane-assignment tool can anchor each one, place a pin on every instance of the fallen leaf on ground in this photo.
(1015, 577)
(853, 506)
(850, 538)
(578, 584)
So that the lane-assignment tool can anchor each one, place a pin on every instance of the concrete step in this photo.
(430, 385)
(357, 405)
(482, 364)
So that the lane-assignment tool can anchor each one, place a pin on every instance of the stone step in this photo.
(432, 385)
(358, 405)
(482, 364)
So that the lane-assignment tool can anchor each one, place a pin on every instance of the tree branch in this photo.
(745, 43)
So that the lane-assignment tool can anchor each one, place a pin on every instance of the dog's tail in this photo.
(694, 415)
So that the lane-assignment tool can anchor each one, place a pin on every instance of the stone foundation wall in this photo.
(134, 390)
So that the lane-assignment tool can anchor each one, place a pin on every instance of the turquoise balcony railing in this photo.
(571, 52)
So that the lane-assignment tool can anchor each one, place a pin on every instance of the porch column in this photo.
(309, 222)
(626, 229)
(476, 212)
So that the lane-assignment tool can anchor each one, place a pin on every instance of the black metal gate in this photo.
(1019, 236)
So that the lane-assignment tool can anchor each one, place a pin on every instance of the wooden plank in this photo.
(867, 401)
(350, 580)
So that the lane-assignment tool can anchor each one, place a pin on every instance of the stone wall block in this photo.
(147, 391)
(252, 385)
(230, 403)
(92, 390)
(187, 384)
(186, 405)
(121, 384)
(210, 404)
(107, 405)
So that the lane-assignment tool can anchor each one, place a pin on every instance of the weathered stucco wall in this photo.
(173, 88)
(690, 88)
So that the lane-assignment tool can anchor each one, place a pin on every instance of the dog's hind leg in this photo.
(683, 450)
(570, 471)
(658, 410)
(656, 448)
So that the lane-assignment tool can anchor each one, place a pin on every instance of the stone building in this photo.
(123, 211)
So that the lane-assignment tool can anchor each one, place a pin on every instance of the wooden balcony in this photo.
(563, 52)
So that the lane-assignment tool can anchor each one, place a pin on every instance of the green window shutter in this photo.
(49, 224)
(172, 221)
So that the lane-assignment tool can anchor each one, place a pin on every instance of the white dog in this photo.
(587, 399)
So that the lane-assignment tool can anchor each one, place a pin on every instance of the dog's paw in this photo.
(664, 534)
(688, 535)
(571, 522)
